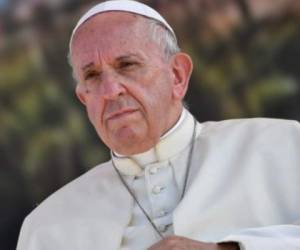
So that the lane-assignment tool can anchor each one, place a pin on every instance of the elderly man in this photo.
(172, 183)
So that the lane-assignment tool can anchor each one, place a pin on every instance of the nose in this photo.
(111, 87)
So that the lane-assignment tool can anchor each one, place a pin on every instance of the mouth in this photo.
(120, 114)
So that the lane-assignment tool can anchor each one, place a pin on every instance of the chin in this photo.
(128, 143)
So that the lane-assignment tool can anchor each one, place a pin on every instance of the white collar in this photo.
(170, 144)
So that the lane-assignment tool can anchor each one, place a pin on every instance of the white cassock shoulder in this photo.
(90, 211)
(245, 185)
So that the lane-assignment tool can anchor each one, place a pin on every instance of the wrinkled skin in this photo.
(131, 92)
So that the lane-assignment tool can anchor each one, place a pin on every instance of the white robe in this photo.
(244, 186)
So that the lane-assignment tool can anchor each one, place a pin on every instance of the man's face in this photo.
(125, 82)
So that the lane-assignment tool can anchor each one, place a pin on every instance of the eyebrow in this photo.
(120, 58)
(129, 56)
(87, 66)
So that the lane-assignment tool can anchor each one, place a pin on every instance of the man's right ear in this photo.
(81, 93)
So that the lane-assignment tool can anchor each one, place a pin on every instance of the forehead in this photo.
(107, 21)
(111, 32)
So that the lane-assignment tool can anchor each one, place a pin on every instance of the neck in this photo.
(174, 141)
(165, 135)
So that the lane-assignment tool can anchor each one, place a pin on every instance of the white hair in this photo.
(162, 37)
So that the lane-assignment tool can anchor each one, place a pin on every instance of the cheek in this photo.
(157, 103)
(161, 95)
(94, 111)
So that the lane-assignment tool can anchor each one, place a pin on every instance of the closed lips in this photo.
(120, 113)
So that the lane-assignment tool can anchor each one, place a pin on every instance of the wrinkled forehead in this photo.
(108, 29)
(110, 15)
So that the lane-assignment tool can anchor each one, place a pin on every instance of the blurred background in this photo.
(245, 55)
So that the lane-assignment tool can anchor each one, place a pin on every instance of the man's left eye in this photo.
(125, 65)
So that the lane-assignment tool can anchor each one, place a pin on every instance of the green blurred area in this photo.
(245, 65)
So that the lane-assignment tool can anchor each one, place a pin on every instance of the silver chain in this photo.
(189, 161)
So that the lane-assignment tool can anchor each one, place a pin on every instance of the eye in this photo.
(127, 64)
(90, 75)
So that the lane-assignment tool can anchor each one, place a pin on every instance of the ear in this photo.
(182, 67)
(81, 93)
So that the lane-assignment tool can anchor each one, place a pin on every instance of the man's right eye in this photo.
(90, 75)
